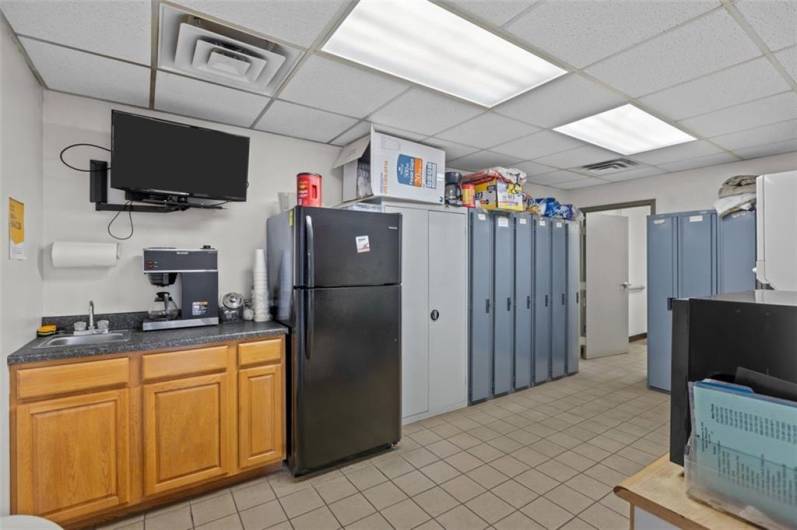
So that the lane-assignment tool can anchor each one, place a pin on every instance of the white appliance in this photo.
(776, 230)
(434, 319)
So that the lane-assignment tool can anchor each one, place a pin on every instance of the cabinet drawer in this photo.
(186, 362)
(67, 378)
(264, 351)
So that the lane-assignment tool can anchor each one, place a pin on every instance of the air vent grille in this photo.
(610, 166)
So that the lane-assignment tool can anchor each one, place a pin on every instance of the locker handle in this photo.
(487, 305)
(669, 303)
(546, 300)
(528, 302)
(577, 297)
(509, 303)
(564, 301)
(435, 314)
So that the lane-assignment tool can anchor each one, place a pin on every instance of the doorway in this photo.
(614, 273)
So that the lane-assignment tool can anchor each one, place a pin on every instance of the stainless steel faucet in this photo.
(91, 315)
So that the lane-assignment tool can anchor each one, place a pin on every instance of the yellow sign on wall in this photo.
(16, 229)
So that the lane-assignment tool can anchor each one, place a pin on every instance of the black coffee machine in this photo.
(199, 281)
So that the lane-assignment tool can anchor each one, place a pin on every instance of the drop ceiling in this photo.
(723, 71)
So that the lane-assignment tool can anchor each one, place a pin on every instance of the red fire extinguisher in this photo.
(308, 189)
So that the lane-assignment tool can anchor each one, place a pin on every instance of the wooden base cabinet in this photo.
(95, 438)
(73, 455)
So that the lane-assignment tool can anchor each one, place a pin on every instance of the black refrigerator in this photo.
(335, 277)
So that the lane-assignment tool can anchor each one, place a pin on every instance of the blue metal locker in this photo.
(662, 280)
(558, 298)
(697, 254)
(573, 296)
(542, 300)
(523, 294)
(503, 294)
(480, 340)
(736, 252)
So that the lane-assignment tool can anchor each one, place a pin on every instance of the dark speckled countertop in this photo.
(151, 340)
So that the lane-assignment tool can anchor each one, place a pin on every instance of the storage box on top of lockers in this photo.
(381, 165)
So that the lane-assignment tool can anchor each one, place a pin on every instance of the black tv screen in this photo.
(150, 155)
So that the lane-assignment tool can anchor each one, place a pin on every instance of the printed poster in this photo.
(16, 229)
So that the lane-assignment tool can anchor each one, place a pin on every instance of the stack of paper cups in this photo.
(260, 288)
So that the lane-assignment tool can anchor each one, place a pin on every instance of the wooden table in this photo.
(658, 499)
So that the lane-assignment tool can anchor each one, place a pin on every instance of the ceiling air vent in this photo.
(609, 166)
(205, 49)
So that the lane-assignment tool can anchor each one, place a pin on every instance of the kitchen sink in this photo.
(84, 340)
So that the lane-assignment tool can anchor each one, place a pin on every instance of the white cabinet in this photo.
(434, 281)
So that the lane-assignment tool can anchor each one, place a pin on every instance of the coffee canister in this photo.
(308, 189)
(468, 195)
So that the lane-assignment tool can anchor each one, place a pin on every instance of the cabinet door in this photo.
(72, 455)
(448, 286)
(503, 291)
(559, 298)
(523, 295)
(187, 431)
(696, 254)
(736, 252)
(260, 416)
(414, 311)
(481, 306)
(542, 300)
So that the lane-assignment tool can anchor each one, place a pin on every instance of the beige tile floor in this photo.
(546, 457)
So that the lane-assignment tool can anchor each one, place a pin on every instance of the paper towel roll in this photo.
(79, 254)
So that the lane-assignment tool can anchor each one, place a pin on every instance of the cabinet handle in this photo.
(509, 303)
(435, 314)
(487, 305)
(528, 302)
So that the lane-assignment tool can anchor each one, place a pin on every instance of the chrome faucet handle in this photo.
(91, 314)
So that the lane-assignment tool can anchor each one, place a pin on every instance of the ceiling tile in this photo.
(90, 75)
(537, 145)
(677, 152)
(561, 101)
(339, 87)
(482, 160)
(296, 21)
(355, 133)
(700, 47)
(191, 97)
(773, 109)
(555, 178)
(768, 149)
(118, 29)
(497, 12)
(744, 82)
(788, 58)
(703, 161)
(303, 122)
(584, 182)
(631, 174)
(774, 133)
(584, 32)
(773, 20)
(453, 150)
(577, 157)
(533, 168)
(425, 111)
(486, 131)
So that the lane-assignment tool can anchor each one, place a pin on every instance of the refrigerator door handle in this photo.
(310, 236)
(309, 323)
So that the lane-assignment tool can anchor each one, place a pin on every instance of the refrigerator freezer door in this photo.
(345, 374)
(343, 248)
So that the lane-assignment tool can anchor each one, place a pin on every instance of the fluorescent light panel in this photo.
(428, 45)
(626, 130)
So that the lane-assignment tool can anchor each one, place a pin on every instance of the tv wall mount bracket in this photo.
(98, 194)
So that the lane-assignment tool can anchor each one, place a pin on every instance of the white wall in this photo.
(637, 266)
(235, 231)
(21, 178)
(683, 191)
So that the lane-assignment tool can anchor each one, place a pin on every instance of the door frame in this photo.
(583, 267)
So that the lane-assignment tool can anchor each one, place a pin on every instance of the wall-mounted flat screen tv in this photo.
(158, 157)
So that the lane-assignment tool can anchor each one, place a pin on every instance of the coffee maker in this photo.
(199, 282)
